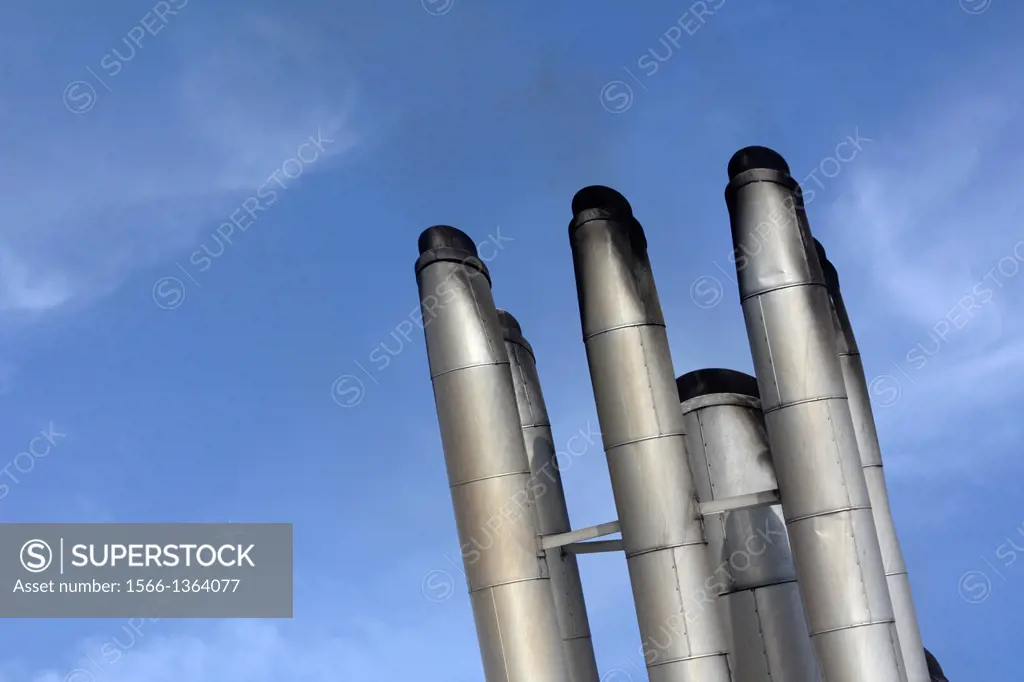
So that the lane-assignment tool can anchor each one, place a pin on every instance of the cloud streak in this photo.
(927, 235)
(100, 196)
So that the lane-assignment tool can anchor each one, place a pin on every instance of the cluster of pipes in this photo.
(753, 512)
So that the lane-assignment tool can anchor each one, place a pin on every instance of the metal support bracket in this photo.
(574, 542)
(589, 533)
(593, 547)
(765, 498)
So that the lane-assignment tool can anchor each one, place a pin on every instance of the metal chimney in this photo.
(642, 429)
(810, 430)
(552, 511)
(752, 562)
(871, 459)
(487, 465)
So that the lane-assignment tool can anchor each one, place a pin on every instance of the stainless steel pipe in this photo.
(552, 512)
(488, 470)
(824, 495)
(752, 561)
(911, 644)
(642, 429)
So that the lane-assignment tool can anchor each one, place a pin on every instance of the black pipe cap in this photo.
(711, 381)
(829, 270)
(749, 158)
(821, 251)
(831, 275)
(443, 236)
(599, 196)
(934, 669)
(509, 322)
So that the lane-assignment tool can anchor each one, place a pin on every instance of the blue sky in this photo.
(212, 396)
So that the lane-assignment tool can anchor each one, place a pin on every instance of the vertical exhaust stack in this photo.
(642, 429)
(753, 565)
(824, 495)
(553, 514)
(871, 459)
(487, 465)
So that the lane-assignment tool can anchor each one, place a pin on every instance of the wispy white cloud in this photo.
(96, 196)
(930, 218)
(931, 205)
(923, 220)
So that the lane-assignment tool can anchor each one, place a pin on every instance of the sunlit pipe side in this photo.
(488, 470)
(824, 495)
